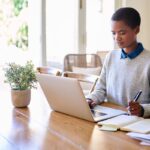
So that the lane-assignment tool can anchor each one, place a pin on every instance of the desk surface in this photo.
(38, 128)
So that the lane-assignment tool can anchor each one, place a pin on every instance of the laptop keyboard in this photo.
(97, 113)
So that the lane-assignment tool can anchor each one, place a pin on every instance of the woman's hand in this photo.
(91, 103)
(135, 108)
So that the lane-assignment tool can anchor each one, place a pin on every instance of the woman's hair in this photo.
(129, 15)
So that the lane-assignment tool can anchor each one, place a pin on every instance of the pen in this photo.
(137, 96)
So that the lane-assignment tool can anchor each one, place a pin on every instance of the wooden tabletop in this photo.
(37, 127)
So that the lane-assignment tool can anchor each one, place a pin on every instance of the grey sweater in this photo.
(121, 79)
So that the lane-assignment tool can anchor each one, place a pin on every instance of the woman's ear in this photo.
(137, 29)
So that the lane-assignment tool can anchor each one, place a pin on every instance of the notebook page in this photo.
(142, 126)
(120, 121)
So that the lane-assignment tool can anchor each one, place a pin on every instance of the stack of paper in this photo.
(144, 138)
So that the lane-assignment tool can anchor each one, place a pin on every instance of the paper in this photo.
(142, 126)
(139, 135)
(145, 143)
(128, 123)
(120, 121)
(108, 128)
(144, 138)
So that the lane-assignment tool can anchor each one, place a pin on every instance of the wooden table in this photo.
(39, 128)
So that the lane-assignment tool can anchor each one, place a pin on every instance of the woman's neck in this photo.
(131, 47)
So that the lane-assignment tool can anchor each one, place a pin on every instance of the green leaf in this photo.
(20, 77)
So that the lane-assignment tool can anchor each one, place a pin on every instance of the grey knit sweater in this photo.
(121, 79)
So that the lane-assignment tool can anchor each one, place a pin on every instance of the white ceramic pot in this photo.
(21, 98)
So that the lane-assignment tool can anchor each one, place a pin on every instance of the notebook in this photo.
(65, 95)
(127, 123)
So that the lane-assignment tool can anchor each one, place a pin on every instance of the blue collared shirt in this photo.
(134, 53)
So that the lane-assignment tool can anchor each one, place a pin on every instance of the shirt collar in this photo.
(134, 53)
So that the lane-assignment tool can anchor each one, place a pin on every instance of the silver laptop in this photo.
(66, 96)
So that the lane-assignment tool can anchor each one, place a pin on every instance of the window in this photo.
(13, 30)
(61, 30)
(98, 13)
(75, 26)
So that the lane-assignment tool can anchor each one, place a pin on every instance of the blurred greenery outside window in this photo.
(14, 23)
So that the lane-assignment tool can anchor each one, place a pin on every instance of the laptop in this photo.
(65, 95)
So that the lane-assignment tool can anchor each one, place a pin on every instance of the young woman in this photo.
(125, 71)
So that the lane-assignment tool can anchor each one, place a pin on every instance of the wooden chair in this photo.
(102, 54)
(83, 78)
(81, 60)
(49, 70)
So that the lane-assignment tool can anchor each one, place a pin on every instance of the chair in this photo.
(87, 61)
(102, 54)
(83, 78)
(49, 70)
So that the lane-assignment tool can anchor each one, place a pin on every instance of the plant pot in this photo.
(21, 98)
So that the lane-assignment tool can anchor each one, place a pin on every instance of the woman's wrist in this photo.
(142, 111)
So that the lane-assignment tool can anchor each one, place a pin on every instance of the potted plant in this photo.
(21, 80)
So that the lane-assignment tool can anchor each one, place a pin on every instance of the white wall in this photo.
(143, 6)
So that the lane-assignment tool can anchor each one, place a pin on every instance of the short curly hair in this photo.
(129, 15)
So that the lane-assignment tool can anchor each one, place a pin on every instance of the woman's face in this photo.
(124, 35)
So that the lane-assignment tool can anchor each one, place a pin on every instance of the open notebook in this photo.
(127, 123)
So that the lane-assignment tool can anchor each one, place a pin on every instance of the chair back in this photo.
(81, 60)
(49, 70)
(102, 54)
(83, 78)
